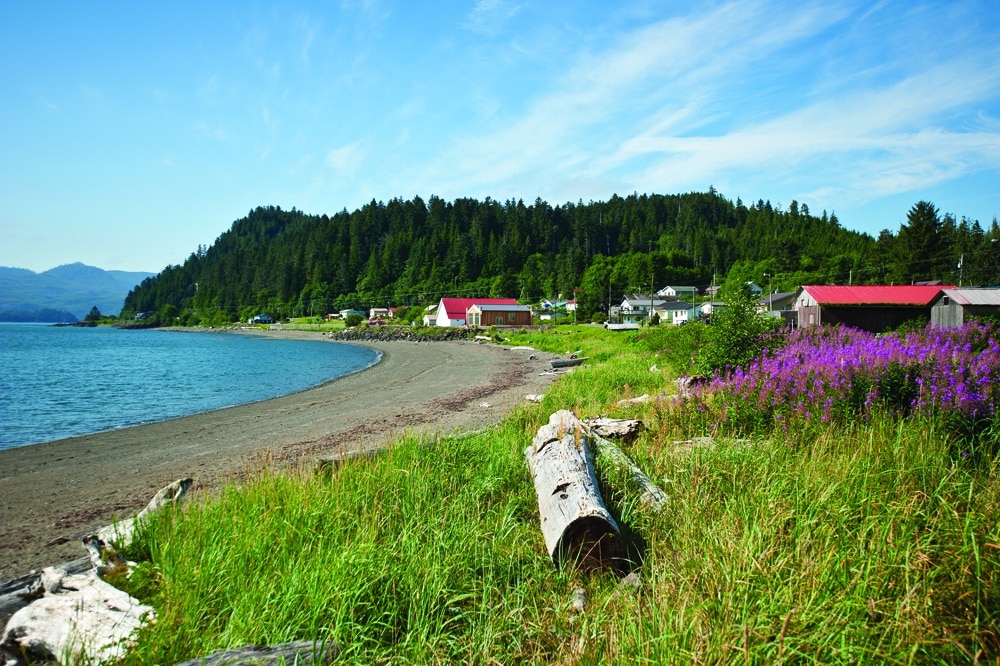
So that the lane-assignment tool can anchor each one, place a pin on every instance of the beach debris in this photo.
(579, 600)
(521, 348)
(621, 429)
(651, 495)
(120, 534)
(485, 405)
(634, 401)
(653, 368)
(575, 523)
(70, 611)
(535, 397)
(297, 652)
(80, 617)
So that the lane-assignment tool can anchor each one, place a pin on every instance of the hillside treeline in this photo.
(412, 252)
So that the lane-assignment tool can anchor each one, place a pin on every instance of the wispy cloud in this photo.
(491, 16)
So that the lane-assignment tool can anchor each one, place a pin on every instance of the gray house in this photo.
(954, 307)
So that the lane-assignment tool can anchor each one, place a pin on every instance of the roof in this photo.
(973, 296)
(902, 294)
(455, 308)
(673, 305)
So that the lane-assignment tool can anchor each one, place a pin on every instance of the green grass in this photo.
(859, 545)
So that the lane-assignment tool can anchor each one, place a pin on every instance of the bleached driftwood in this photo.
(575, 523)
(17, 593)
(298, 652)
(634, 401)
(120, 534)
(69, 611)
(652, 495)
(535, 397)
(80, 618)
(623, 429)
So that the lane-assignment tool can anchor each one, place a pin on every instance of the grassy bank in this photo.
(866, 541)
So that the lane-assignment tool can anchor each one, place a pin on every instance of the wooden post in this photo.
(575, 523)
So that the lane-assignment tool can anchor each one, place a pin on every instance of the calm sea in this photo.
(58, 382)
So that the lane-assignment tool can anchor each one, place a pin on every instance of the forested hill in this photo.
(412, 252)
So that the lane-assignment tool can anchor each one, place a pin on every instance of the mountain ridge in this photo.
(74, 288)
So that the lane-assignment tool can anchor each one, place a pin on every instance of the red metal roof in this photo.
(456, 307)
(903, 294)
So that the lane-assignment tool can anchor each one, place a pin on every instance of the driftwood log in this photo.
(299, 652)
(651, 494)
(69, 611)
(576, 525)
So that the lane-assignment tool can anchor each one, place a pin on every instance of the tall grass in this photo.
(865, 542)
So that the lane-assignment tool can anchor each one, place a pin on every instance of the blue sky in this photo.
(130, 133)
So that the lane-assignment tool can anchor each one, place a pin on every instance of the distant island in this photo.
(64, 294)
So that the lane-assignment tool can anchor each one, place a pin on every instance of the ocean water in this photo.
(58, 382)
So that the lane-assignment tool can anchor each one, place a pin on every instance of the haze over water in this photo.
(58, 382)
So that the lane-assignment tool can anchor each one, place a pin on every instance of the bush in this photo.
(353, 320)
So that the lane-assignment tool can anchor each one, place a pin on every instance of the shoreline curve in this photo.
(53, 493)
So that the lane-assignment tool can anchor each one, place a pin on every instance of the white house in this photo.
(674, 292)
(636, 307)
(674, 312)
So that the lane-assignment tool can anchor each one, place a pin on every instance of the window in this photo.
(499, 320)
(511, 316)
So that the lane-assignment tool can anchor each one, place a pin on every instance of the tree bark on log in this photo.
(299, 652)
(652, 495)
(575, 523)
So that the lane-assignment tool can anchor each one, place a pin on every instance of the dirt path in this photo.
(51, 494)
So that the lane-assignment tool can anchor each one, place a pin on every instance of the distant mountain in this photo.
(74, 288)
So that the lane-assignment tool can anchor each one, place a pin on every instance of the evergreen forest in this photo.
(413, 252)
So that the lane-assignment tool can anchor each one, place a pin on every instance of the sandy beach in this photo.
(51, 494)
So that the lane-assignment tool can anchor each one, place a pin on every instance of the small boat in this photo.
(567, 362)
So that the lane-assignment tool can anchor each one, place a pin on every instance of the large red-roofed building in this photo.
(452, 311)
(874, 308)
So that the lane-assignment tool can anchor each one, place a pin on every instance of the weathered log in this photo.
(69, 610)
(634, 401)
(652, 495)
(575, 523)
(80, 617)
(17, 593)
(120, 534)
(623, 429)
(298, 652)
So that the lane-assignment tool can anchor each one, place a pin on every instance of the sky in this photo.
(133, 132)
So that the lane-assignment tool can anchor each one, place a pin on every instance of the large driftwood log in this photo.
(69, 611)
(623, 429)
(575, 523)
(299, 652)
(80, 618)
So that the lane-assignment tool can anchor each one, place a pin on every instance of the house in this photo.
(485, 314)
(776, 302)
(705, 310)
(571, 306)
(954, 307)
(673, 293)
(344, 314)
(874, 308)
(430, 315)
(674, 312)
(452, 311)
(261, 319)
(384, 313)
(636, 308)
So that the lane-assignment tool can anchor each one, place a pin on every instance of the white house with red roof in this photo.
(452, 311)
(874, 308)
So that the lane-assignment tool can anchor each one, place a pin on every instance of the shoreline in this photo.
(53, 493)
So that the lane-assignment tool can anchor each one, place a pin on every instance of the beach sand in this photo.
(52, 494)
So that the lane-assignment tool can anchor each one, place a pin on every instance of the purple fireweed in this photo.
(824, 375)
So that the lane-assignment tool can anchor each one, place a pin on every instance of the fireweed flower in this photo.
(823, 375)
